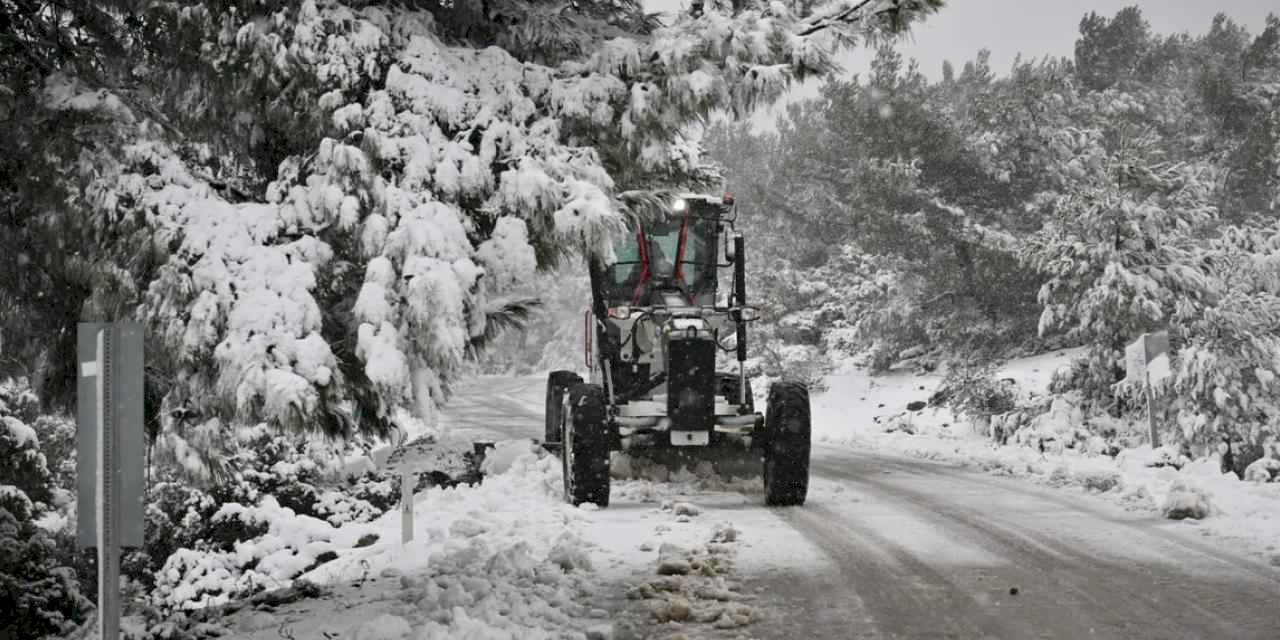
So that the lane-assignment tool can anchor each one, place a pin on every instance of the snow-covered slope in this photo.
(870, 412)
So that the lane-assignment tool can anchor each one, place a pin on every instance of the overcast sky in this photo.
(1034, 28)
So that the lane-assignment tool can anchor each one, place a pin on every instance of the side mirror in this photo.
(748, 314)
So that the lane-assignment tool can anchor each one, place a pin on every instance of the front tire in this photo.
(585, 455)
(558, 384)
(788, 428)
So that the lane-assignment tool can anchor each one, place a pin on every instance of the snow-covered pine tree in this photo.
(914, 175)
(1109, 51)
(1120, 246)
(1225, 380)
(342, 189)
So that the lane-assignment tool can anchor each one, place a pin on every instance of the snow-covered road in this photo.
(894, 547)
(921, 549)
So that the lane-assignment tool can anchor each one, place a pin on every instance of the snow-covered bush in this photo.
(177, 516)
(289, 469)
(973, 391)
(252, 528)
(57, 434)
(262, 547)
(306, 478)
(799, 363)
(18, 400)
(379, 492)
(22, 467)
(39, 594)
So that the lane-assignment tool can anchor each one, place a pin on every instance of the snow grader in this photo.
(657, 320)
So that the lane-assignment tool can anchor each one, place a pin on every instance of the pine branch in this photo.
(861, 14)
(501, 317)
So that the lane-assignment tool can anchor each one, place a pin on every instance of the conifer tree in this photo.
(316, 206)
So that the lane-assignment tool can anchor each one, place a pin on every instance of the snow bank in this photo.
(504, 454)
(501, 559)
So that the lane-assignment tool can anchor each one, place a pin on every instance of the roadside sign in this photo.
(128, 442)
(407, 482)
(1146, 362)
(1157, 356)
(1135, 360)
(109, 454)
(1147, 358)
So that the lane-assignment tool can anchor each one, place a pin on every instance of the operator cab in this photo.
(669, 262)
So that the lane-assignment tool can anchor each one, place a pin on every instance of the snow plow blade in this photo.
(729, 461)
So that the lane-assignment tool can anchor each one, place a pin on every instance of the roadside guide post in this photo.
(1147, 360)
(109, 454)
(406, 507)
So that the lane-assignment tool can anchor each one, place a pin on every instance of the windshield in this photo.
(655, 257)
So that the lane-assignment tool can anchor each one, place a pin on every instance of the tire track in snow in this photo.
(902, 596)
(926, 469)
(1110, 597)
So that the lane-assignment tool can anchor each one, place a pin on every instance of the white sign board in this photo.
(1158, 369)
(1146, 362)
(1147, 359)
(1135, 361)
(1157, 355)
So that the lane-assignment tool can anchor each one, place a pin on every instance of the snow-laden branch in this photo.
(356, 288)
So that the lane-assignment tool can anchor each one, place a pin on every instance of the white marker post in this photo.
(406, 507)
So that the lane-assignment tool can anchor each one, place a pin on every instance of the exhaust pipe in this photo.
(740, 300)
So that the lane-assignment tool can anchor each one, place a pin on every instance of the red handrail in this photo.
(644, 265)
(683, 242)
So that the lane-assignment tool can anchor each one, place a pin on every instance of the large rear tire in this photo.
(558, 384)
(585, 455)
(787, 429)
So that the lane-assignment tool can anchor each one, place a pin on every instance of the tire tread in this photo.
(786, 453)
(590, 469)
